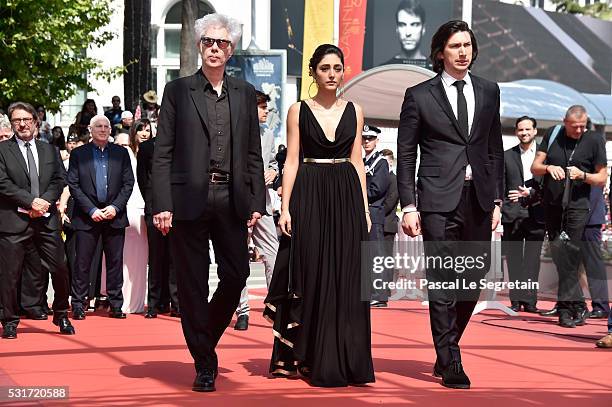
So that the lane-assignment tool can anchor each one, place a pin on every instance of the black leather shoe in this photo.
(9, 332)
(175, 314)
(205, 380)
(454, 377)
(150, 313)
(598, 314)
(78, 314)
(38, 315)
(566, 321)
(532, 309)
(550, 313)
(378, 304)
(116, 313)
(581, 316)
(437, 371)
(65, 327)
(242, 323)
(515, 306)
(163, 310)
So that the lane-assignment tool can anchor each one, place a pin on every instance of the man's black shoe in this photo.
(454, 377)
(37, 315)
(530, 308)
(64, 324)
(175, 314)
(581, 316)
(78, 314)
(205, 380)
(550, 313)
(116, 313)
(566, 321)
(242, 323)
(515, 306)
(378, 304)
(9, 332)
(597, 314)
(150, 313)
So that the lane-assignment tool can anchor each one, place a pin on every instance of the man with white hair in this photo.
(100, 179)
(6, 132)
(208, 183)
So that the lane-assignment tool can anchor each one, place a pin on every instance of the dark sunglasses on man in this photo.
(208, 42)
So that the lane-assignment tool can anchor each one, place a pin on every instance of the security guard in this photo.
(377, 185)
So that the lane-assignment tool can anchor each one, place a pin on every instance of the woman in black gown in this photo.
(320, 322)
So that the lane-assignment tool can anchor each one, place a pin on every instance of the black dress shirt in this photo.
(219, 128)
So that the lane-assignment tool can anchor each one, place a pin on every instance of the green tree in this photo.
(598, 10)
(43, 47)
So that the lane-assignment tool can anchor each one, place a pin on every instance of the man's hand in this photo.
(575, 173)
(163, 222)
(254, 217)
(35, 214)
(39, 204)
(557, 173)
(279, 191)
(515, 194)
(109, 212)
(495, 217)
(269, 176)
(98, 215)
(411, 223)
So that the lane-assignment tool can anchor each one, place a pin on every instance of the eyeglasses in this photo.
(27, 121)
(223, 44)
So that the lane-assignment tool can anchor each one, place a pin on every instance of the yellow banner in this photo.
(318, 29)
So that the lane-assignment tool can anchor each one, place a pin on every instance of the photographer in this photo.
(571, 159)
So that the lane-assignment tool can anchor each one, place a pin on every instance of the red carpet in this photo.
(139, 362)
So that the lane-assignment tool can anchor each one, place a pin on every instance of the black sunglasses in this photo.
(207, 41)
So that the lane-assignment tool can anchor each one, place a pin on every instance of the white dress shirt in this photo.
(527, 157)
(24, 152)
(468, 92)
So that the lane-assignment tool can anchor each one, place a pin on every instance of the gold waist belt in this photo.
(326, 160)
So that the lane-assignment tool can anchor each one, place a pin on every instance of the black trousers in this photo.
(595, 268)
(449, 311)
(162, 290)
(32, 289)
(569, 294)
(14, 248)
(203, 322)
(112, 246)
(522, 245)
(378, 248)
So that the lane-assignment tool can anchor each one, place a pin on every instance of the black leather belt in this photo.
(218, 178)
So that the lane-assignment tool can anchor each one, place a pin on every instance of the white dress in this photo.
(135, 252)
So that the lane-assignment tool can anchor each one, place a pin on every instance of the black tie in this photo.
(462, 113)
(34, 186)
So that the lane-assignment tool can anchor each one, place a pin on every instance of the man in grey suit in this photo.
(264, 232)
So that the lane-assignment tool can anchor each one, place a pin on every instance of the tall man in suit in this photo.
(100, 179)
(162, 290)
(30, 183)
(208, 183)
(522, 215)
(454, 119)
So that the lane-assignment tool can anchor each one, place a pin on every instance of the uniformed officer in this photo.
(377, 185)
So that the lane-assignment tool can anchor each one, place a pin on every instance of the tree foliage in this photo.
(598, 10)
(43, 47)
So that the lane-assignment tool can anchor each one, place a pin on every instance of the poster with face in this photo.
(399, 31)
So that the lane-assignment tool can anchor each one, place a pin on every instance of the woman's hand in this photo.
(285, 222)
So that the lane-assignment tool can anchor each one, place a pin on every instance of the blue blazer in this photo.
(81, 180)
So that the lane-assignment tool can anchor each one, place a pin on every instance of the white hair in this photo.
(5, 123)
(233, 26)
(97, 118)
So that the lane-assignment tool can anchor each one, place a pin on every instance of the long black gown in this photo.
(320, 322)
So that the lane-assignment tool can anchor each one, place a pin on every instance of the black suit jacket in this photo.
(82, 183)
(144, 167)
(391, 201)
(15, 186)
(427, 121)
(181, 159)
(513, 177)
